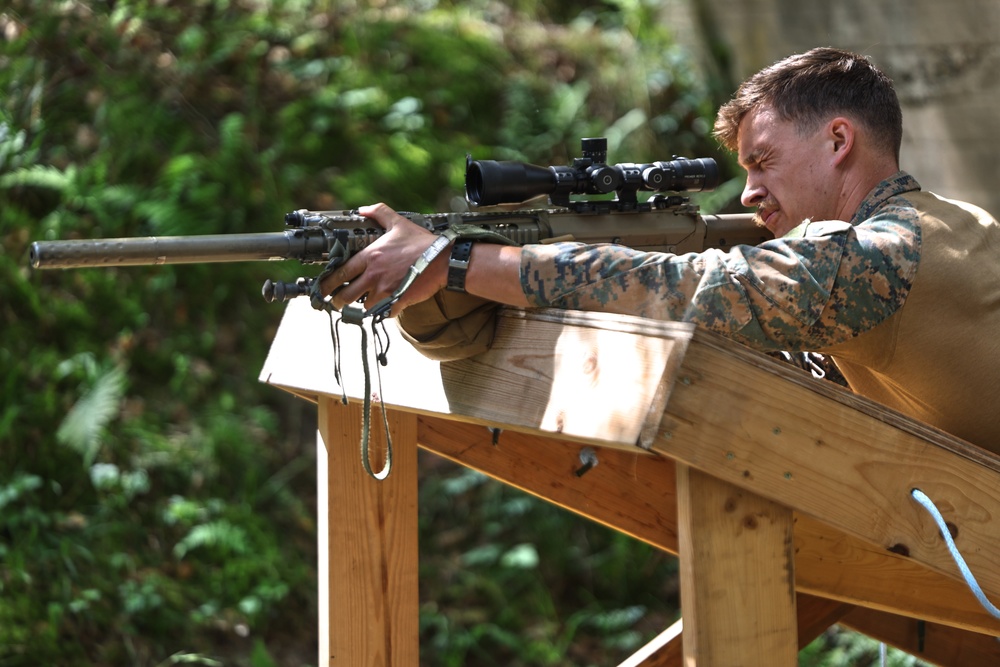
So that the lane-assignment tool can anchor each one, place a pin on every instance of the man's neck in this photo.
(859, 184)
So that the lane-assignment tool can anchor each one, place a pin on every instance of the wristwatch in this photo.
(458, 264)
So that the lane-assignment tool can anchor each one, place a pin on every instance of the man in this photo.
(900, 287)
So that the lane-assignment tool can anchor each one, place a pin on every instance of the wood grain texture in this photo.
(840, 465)
(931, 642)
(582, 378)
(843, 464)
(631, 492)
(737, 575)
(835, 565)
(371, 552)
(635, 493)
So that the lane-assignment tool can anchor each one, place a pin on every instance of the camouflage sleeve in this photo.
(821, 284)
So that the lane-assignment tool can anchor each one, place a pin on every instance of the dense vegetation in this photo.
(156, 502)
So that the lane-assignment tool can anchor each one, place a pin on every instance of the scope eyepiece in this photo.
(689, 175)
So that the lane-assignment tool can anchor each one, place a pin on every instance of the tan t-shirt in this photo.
(937, 359)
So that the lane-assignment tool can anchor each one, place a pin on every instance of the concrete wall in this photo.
(943, 55)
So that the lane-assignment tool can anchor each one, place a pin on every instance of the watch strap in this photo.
(458, 264)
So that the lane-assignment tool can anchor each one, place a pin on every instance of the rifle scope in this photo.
(489, 182)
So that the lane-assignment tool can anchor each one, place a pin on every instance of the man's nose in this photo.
(753, 193)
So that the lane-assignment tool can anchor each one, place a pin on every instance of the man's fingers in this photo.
(337, 284)
(332, 282)
(382, 214)
(347, 293)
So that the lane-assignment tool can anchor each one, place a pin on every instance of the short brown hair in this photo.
(808, 88)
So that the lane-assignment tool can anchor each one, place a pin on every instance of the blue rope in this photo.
(963, 567)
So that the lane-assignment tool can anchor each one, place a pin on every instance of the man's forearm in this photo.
(495, 274)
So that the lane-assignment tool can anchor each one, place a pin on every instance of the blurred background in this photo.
(157, 504)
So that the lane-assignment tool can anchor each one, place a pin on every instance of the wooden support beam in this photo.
(664, 650)
(737, 575)
(835, 565)
(631, 492)
(816, 615)
(739, 415)
(845, 462)
(636, 493)
(931, 642)
(369, 563)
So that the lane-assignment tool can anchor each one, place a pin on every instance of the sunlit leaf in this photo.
(82, 427)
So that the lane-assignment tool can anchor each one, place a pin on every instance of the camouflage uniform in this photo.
(821, 284)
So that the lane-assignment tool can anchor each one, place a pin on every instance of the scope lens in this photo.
(474, 182)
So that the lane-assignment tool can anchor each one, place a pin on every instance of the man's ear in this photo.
(841, 134)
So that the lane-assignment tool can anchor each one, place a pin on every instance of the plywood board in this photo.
(588, 378)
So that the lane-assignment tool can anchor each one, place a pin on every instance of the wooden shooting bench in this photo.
(786, 498)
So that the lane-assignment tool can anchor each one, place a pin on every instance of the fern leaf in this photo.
(83, 424)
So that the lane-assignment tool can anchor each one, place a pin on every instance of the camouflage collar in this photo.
(895, 185)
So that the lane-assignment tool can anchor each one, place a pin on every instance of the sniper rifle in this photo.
(665, 223)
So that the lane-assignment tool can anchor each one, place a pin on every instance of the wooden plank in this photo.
(632, 492)
(582, 372)
(302, 360)
(737, 574)
(664, 650)
(323, 545)
(371, 544)
(539, 375)
(931, 642)
(786, 441)
(635, 493)
(833, 564)
(816, 615)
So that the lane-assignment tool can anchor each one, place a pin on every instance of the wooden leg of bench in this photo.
(368, 543)
(737, 575)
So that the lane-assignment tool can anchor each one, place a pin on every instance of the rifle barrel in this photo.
(207, 248)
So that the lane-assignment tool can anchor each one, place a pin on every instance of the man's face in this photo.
(787, 172)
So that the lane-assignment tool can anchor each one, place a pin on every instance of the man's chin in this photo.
(758, 221)
(774, 224)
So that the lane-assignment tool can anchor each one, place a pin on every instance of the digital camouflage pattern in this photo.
(823, 283)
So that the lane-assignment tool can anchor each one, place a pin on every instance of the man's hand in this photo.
(376, 271)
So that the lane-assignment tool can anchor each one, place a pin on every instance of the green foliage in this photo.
(839, 647)
(519, 582)
(155, 500)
